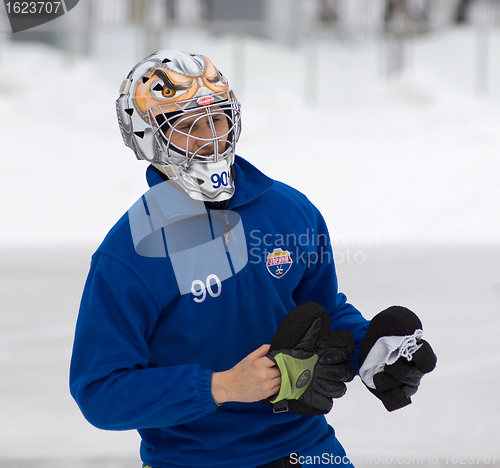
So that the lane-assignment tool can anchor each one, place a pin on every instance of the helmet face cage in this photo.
(169, 125)
(170, 87)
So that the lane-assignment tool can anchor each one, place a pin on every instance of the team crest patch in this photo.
(279, 262)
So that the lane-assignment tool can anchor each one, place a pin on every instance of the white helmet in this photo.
(166, 95)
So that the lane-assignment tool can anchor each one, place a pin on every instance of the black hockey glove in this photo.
(313, 361)
(394, 357)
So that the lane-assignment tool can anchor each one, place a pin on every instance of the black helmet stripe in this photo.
(166, 80)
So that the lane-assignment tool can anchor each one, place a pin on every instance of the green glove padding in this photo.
(296, 375)
(313, 361)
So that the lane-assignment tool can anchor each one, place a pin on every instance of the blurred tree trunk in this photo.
(146, 15)
(392, 8)
(412, 13)
(207, 10)
(138, 11)
(462, 10)
(170, 10)
(328, 11)
(395, 26)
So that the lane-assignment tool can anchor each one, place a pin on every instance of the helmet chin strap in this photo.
(207, 182)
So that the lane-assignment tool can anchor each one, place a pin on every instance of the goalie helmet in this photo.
(164, 101)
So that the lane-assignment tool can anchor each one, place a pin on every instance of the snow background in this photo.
(405, 171)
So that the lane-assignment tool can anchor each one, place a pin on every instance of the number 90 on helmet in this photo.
(162, 101)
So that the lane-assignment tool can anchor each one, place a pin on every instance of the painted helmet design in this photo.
(163, 100)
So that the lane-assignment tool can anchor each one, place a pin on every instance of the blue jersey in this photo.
(175, 293)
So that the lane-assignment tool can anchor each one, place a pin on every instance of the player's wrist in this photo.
(219, 390)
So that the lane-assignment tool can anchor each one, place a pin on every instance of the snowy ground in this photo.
(405, 172)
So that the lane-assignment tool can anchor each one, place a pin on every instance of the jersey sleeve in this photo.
(111, 376)
(320, 285)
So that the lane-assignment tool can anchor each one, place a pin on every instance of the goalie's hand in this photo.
(394, 357)
(253, 378)
(313, 378)
(312, 360)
